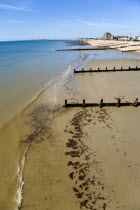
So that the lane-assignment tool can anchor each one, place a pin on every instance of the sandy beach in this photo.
(85, 158)
(124, 46)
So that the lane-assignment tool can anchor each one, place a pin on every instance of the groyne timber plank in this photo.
(106, 70)
(79, 49)
(103, 105)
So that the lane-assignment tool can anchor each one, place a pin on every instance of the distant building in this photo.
(136, 38)
(124, 38)
(108, 36)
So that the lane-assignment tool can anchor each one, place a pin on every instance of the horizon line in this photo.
(40, 39)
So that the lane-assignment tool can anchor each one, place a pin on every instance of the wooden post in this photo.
(136, 67)
(119, 102)
(101, 103)
(65, 103)
(82, 69)
(90, 69)
(121, 68)
(98, 69)
(84, 102)
(129, 67)
(106, 68)
(136, 102)
(114, 68)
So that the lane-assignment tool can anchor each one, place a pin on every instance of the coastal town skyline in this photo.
(26, 20)
(109, 36)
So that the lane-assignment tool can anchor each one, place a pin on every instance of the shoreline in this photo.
(63, 156)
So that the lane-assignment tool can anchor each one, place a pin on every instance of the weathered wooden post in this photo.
(82, 69)
(106, 68)
(119, 102)
(101, 103)
(84, 102)
(121, 68)
(98, 69)
(65, 103)
(114, 68)
(136, 67)
(136, 102)
(90, 69)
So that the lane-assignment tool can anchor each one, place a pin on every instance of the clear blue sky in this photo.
(59, 19)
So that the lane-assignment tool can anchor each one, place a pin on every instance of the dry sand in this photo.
(124, 46)
(87, 158)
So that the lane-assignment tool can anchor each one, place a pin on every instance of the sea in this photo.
(27, 68)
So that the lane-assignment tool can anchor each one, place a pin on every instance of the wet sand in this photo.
(85, 158)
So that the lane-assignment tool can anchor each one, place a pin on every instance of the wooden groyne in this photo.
(111, 47)
(102, 104)
(130, 50)
(80, 49)
(106, 70)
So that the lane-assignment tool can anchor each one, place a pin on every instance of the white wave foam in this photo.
(19, 191)
(65, 73)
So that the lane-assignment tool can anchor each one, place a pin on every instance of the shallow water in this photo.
(27, 68)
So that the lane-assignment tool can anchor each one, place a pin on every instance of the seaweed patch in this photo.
(88, 189)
